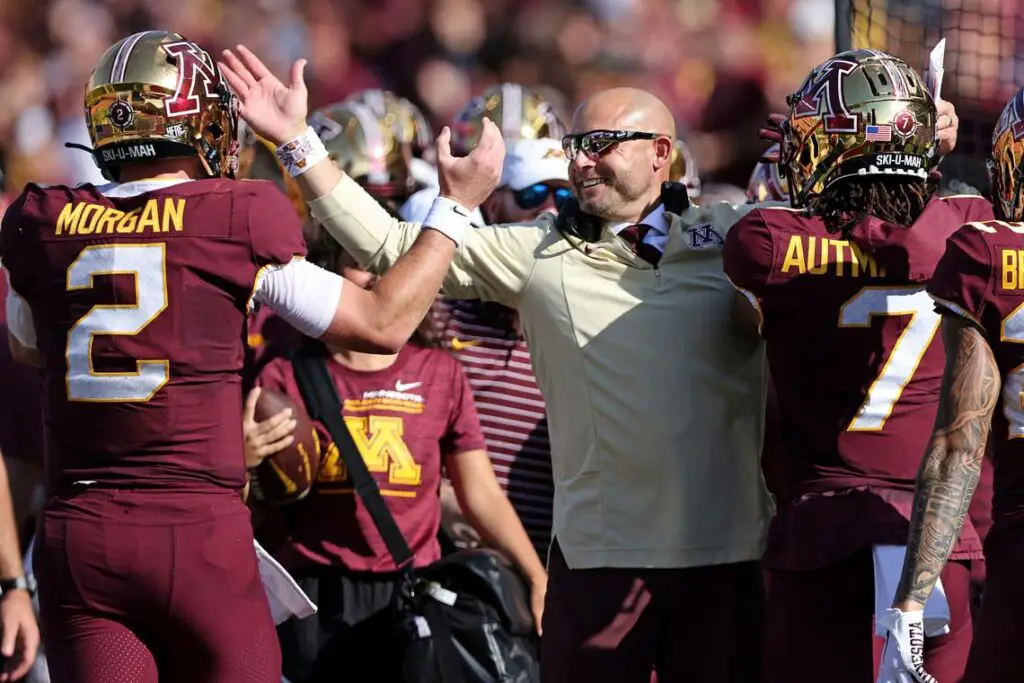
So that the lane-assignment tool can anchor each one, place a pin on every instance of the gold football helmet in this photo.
(156, 95)
(684, 169)
(409, 124)
(365, 149)
(1005, 165)
(766, 183)
(515, 109)
(861, 113)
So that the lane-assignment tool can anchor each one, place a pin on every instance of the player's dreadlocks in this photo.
(850, 200)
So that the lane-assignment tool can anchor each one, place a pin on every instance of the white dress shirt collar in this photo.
(656, 219)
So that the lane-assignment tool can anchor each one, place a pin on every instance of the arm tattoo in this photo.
(951, 467)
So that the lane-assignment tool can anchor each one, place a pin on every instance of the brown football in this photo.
(288, 475)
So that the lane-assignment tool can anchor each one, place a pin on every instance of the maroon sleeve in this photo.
(972, 208)
(748, 253)
(274, 228)
(464, 432)
(16, 244)
(963, 278)
(275, 376)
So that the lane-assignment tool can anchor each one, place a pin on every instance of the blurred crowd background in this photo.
(720, 64)
(984, 63)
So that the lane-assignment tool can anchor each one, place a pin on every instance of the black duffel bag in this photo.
(463, 619)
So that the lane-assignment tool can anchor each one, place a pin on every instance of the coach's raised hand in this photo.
(275, 111)
(471, 179)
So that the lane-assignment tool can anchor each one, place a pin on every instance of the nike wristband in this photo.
(302, 152)
(449, 218)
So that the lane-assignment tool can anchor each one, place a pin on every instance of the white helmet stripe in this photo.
(511, 111)
(374, 99)
(374, 141)
(123, 53)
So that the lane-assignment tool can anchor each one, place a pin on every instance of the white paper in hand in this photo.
(284, 595)
(933, 74)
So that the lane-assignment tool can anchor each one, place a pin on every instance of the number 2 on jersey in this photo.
(147, 264)
(906, 353)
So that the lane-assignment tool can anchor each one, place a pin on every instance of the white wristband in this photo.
(302, 152)
(449, 218)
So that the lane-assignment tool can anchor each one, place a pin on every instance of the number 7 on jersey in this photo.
(906, 353)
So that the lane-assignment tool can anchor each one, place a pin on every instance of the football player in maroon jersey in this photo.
(132, 298)
(978, 287)
(835, 286)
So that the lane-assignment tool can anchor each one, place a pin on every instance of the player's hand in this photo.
(903, 656)
(19, 641)
(274, 111)
(538, 592)
(471, 179)
(263, 439)
(947, 123)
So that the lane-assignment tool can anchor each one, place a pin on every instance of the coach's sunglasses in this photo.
(594, 143)
(533, 196)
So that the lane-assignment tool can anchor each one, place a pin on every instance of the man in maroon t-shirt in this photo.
(412, 416)
(978, 288)
(836, 289)
(132, 297)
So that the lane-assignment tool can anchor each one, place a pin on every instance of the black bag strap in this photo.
(320, 395)
(322, 402)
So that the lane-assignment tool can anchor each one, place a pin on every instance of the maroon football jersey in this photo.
(405, 419)
(981, 277)
(849, 332)
(139, 304)
(856, 365)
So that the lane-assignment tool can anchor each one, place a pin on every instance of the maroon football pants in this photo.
(128, 594)
(820, 624)
(616, 624)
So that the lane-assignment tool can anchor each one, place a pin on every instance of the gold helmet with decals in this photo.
(517, 111)
(156, 95)
(766, 184)
(1006, 164)
(364, 148)
(861, 113)
(683, 169)
(409, 124)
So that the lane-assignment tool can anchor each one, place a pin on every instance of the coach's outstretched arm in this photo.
(382, 318)
(492, 263)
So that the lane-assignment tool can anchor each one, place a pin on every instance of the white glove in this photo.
(903, 656)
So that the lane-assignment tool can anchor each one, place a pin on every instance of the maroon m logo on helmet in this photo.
(825, 96)
(195, 70)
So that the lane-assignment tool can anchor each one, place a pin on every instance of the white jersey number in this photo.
(1013, 386)
(147, 263)
(905, 355)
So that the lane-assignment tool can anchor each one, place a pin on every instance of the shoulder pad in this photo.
(993, 227)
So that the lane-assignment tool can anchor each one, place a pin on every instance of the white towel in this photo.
(888, 568)
(284, 595)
